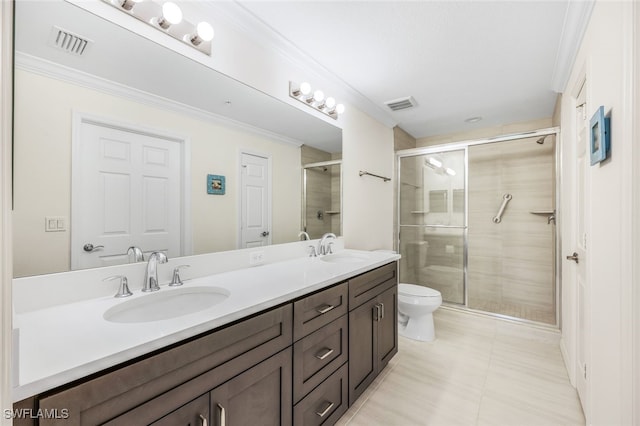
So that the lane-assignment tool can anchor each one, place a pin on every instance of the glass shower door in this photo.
(432, 222)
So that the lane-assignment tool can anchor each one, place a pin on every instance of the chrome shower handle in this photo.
(505, 200)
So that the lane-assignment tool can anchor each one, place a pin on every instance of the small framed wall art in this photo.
(215, 184)
(600, 136)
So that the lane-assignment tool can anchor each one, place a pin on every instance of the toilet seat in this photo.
(417, 291)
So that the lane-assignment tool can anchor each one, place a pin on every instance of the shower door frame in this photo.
(464, 145)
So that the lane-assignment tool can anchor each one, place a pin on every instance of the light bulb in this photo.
(449, 171)
(171, 15)
(305, 88)
(128, 4)
(339, 108)
(330, 102)
(318, 95)
(434, 162)
(205, 31)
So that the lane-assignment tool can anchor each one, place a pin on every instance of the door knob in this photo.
(573, 257)
(265, 233)
(90, 247)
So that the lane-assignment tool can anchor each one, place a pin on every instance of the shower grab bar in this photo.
(505, 200)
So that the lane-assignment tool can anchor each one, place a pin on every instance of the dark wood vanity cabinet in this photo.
(373, 326)
(320, 357)
(302, 363)
(146, 390)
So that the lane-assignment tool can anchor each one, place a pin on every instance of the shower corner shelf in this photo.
(419, 212)
(332, 212)
(543, 212)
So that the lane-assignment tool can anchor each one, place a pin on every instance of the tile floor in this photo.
(479, 371)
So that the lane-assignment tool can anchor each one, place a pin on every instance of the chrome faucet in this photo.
(325, 248)
(151, 275)
(138, 256)
(305, 235)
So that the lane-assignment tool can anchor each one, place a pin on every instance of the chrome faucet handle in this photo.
(176, 281)
(312, 252)
(138, 255)
(123, 289)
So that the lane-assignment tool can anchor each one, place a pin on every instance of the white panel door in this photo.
(255, 216)
(127, 191)
(579, 247)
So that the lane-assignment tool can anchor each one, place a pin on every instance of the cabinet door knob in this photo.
(203, 421)
(223, 415)
(324, 412)
(323, 355)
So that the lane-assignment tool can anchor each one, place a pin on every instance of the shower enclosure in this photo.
(322, 198)
(477, 223)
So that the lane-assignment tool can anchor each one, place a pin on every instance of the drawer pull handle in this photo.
(326, 410)
(327, 352)
(223, 415)
(324, 309)
(203, 420)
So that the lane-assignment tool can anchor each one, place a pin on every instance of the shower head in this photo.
(541, 140)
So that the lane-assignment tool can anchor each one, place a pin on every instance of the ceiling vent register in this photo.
(69, 42)
(402, 103)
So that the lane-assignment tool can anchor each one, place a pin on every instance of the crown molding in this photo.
(262, 34)
(575, 24)
(56, 71)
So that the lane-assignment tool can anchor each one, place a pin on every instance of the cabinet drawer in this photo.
(368, 285)
(313, 312)
(318, 355)
(237, 347)
(326, 403)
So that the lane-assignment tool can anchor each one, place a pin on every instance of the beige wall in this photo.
(43, 114)
(485, 132)
(367, 145)
(605, 58)
(402, 139)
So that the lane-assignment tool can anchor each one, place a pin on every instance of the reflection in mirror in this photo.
(442, 177)
(113, 147)
(321, 192)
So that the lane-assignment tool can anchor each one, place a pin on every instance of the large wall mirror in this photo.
(144, 146)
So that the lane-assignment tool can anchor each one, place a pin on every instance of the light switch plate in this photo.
(55, 224)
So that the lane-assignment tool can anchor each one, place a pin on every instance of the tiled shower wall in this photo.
(323, 193)
(511, 263)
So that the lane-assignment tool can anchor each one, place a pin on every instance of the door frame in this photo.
(79, 118)
(269, 158)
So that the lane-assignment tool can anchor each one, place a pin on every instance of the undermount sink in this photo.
(166, 304)
(343, 257)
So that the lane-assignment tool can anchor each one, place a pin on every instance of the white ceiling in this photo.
(498, 60)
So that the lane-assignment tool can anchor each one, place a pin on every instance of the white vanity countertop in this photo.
(62, 343)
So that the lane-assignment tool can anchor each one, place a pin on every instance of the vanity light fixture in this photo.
(171, 15)
(204, 32)
(128, 4)
(168, 17)
(435, 162)
(317, 100)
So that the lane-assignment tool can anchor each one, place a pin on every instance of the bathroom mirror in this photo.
(125, 82)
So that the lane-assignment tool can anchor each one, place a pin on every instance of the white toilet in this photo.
(416, 305)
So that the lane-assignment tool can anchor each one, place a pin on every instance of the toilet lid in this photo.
(417, 290)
